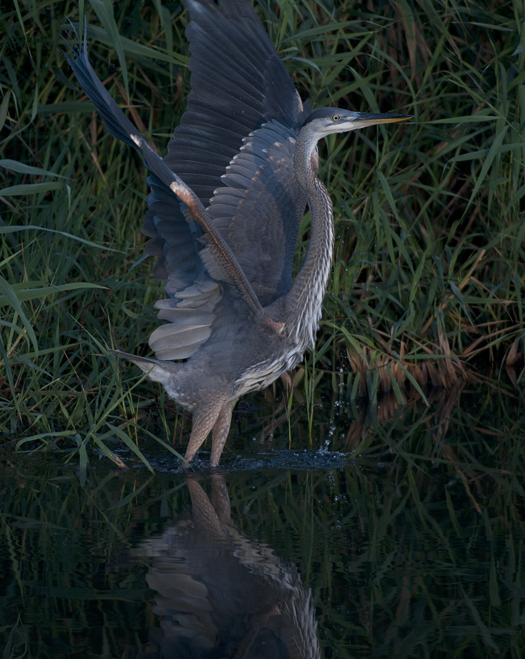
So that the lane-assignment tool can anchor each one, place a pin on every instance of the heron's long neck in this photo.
(306, 295)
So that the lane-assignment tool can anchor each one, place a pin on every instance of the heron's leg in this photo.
(204, 419)
(220, 432)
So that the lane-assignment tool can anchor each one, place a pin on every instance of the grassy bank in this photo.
(429, 265)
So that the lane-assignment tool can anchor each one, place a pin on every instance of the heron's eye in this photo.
(336, 117)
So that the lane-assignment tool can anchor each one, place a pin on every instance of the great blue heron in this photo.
(223, 217)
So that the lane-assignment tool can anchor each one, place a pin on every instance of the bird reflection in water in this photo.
(221, 594)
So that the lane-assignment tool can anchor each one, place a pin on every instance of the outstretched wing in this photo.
(238, 83)
(242, 101)
(192, 310)
(234, 149)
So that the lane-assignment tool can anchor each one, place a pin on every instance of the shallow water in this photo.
(391, 532)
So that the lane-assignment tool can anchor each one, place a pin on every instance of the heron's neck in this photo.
(305, 298)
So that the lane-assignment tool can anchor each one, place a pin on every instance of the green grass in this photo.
(429, 265)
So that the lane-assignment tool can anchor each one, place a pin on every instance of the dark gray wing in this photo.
(259, 209)
(206, 257)
(192, 294)
(238, 83)
(239, 87)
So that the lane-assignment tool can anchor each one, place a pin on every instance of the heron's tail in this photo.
(157, 369)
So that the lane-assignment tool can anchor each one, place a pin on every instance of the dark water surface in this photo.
(395, 532)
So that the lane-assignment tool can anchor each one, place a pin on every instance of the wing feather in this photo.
(239, 84)
(199, 265)
(241, 104)
(259, 210)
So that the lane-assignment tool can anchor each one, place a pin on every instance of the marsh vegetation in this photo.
(429, 265)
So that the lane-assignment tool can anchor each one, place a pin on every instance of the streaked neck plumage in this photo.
(303, 302)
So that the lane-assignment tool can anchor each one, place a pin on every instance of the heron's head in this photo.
(325, 121)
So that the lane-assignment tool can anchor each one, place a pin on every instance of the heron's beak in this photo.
(371, 119)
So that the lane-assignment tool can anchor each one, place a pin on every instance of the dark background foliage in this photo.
(429, 265)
